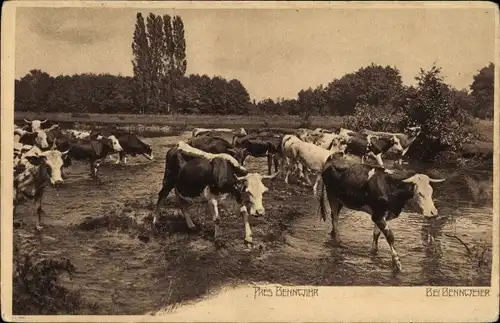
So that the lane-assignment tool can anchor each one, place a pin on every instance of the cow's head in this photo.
(41, 139)
(242, 132)
(50, 165)
(253, 191)
(421, 201)
(115, 144)
(396, 144)
(340, 144)
(149, 151)
(35, 124)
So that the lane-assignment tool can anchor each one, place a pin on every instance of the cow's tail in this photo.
(322, 202)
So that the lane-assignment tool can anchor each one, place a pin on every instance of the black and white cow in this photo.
(33, 138)
(198, 176)
(93, 150)
(364, 145)
(131, 144)
(404, 139)
(261, 146)
(377, 191)
(217, 145)
(31, 177)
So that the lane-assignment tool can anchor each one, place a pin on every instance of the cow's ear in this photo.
(36, 160)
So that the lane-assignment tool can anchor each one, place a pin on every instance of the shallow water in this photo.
(121, 271)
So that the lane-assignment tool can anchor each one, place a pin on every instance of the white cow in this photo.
(309, 155)
(35, 124)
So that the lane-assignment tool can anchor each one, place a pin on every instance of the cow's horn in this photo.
(408, 180)
(240, 178)
(271, 176)
(27, 121)
(65, 152)
(44, 120)
(433, 180)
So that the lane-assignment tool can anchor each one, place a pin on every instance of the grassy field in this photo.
(182, 121)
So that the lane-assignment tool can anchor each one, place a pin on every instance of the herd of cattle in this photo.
(208, 168)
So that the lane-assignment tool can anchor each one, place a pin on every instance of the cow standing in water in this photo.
(377, 191)
(404, 139)
(198, 176)
(40, 169)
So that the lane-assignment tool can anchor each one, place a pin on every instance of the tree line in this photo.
(374, 86)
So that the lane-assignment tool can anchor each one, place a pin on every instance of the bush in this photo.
(373, 118)
(436, 108)
(36, 290)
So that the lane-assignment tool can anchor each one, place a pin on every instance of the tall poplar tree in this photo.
(141, 62)
(159, 49)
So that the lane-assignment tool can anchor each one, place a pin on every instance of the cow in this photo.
(380, 192)
(132, 145)
(19, 151)
(34, 125)
(94, 151)
(324, 140)
(261, 146)
(77, 134)
(309, 155)
(404, 139)
(203, 131)
(195, 174)
(38, 138)
(42, 168)
(365, 145)
(218, 145)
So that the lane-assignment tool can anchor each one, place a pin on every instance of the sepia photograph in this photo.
(250, 161)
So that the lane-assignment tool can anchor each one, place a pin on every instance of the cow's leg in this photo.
(335, 207)
(378, 158)
(276, 162)
(269, 163)
(123, 157)
(39, 211)
(316, 184)
(248, 231)
(288, 169)
(93, 168)
(168, 184)
(184, 209)
(389, 236)
(213, 205)
(376, 235)
(305, 173)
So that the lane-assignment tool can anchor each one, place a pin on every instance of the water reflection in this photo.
(431, 232)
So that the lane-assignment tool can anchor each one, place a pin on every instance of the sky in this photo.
(274, 53)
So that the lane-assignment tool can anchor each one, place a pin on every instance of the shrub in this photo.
(435, 107)
(372, 118)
